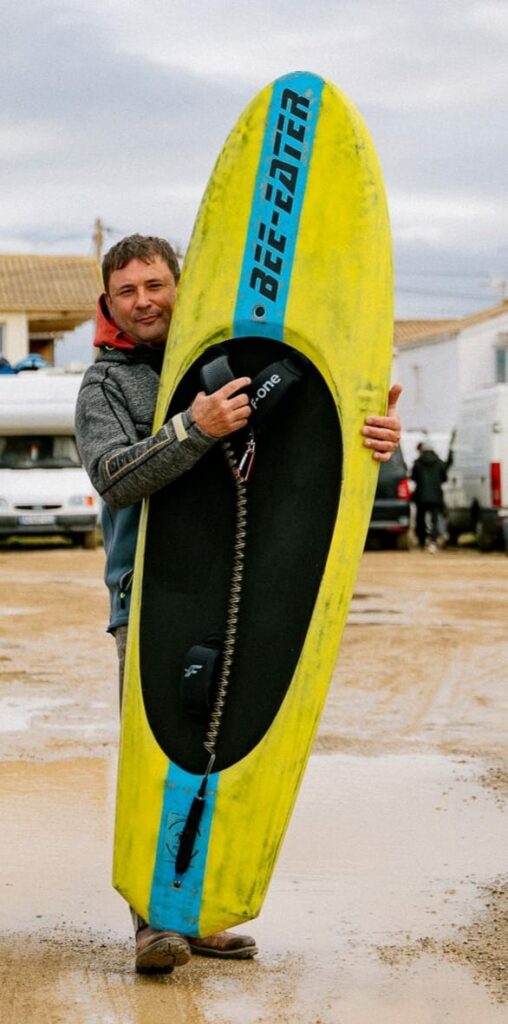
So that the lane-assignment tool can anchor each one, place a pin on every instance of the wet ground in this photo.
(390, 899)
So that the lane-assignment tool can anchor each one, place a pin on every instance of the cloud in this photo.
(119, 109)
(19, 143)
(398, 54)
(432, 217)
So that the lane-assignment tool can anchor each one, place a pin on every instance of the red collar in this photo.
(107, 332)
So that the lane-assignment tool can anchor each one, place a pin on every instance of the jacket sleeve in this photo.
(123, 469)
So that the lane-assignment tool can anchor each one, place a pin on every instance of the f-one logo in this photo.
(192, 670)
(280, 191)
(265, 389)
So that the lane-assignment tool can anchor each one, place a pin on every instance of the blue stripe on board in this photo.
(179, 909)
(277, 205)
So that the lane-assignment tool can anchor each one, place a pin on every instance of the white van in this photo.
(476, 493)
(43, 486)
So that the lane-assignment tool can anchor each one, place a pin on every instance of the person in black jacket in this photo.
(429, 474)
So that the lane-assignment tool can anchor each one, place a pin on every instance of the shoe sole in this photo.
(162, 956)
(245, 953)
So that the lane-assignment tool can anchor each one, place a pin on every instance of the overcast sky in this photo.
(118, 109)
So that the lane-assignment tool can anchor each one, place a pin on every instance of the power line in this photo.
(438, 295)
(444, 273)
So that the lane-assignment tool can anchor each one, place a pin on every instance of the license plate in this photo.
(37, 519)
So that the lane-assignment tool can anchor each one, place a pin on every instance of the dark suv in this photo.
(391, 515)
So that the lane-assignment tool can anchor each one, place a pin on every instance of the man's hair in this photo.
(138, 247)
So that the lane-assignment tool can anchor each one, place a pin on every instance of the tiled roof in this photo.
(410, 331)
(39, 283)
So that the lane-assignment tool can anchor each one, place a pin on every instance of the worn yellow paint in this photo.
(142, 769)
(339, 314)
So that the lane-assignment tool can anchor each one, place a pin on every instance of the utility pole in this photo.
(98, 242)
(500, 285)
(98, 239)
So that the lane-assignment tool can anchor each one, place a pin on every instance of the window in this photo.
(501, 358)
(37, 451)
(417, 383)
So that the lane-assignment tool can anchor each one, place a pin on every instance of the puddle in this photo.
(396, 852)
(5, 611)
(397, 842)
(17, 715)
(375, 617)
(372, 614)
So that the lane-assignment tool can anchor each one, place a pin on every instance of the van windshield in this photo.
(36, 451)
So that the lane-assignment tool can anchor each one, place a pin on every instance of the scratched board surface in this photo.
(290, 256)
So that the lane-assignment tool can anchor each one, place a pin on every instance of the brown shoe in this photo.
(160, 951)
(228, 945)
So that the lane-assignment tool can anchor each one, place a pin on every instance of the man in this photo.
(429, 474)
(127, 463)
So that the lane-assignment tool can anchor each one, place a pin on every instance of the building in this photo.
(42, 297)
(437, 361)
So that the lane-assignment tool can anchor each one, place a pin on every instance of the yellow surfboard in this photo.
(288, 278)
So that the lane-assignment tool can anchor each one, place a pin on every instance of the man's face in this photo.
(141, 299)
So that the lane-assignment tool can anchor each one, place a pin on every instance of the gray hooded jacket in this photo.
(125, 461)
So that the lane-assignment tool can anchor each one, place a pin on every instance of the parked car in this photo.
(43, 486)
(476, 494)
(390, 522)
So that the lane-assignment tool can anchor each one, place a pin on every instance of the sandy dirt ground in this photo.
(389, 903)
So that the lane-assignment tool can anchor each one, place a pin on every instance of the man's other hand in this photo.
(382, 433)
(225, 411)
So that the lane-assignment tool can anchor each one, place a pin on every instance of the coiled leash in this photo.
(207, 668)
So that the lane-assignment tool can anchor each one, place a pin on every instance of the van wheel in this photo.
(484, 540)
(452, 534)
(404, 541)
(87, 540)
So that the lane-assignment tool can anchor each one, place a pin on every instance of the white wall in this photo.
(15, 336)
(429, 377)
(435, 374)
(477, 360)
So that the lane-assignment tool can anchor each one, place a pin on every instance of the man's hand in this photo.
(382, 433)
(225, 411)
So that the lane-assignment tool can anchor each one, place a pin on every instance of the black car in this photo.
(391, 516)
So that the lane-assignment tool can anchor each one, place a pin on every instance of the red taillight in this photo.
(403, 490)
(495, 484)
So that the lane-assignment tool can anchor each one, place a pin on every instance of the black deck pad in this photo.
(293, 497)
